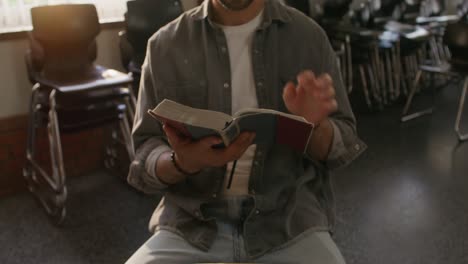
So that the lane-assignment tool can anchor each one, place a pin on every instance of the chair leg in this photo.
(380, 60)
(133, 97)
(56, 144)
(126, 133)
(376, 78)
(404, 76)
(461, 106)
(407, 117)
(388, 64)
(435, 51)
(374, 86)
(397, 69)
(50, 190)
(130, 110)
(111, 150)
(58, 170)
(364, 86)
(28, 170)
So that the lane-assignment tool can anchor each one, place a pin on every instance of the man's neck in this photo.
(227, 17)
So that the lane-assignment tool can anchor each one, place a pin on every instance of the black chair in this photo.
(301, 5)
(462, 8)
(142, 20)
(336, 9)
(433, 8)
(456, 38)
(70, 93)
(410, 11)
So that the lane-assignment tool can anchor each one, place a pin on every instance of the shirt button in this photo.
(256, 163)
(357, 147)
(197, 214)
(252, 191)
(214, 195)
(223, 49)
(257, 212)
(259, 84)
(226, 85)
(256, 51)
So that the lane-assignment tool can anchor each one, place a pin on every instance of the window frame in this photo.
(22, 32)
(22, 29)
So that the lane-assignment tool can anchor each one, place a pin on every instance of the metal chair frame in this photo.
(54, 201)
(444, 70)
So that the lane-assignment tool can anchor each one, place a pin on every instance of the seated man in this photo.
(226, 55)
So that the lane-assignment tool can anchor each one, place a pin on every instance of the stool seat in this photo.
(97, 77)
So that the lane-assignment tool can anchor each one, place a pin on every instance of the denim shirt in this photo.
(187, 61)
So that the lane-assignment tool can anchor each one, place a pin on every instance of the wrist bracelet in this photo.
(178, 168)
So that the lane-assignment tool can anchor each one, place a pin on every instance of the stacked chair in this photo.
(142, 20)
(382, 42)
(70, 93)
(456, 39)
(392, 43)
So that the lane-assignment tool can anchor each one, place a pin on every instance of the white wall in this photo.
(15, 89)
(14, 85)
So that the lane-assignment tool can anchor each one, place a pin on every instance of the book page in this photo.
(253, 111)
(191, 116)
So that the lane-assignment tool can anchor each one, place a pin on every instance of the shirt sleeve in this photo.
(346, 145)
(151, 162)
(337, 148)
(149, 139)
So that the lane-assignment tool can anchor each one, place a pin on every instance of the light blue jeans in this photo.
(166, 247)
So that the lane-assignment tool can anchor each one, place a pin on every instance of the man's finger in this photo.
(332, 106)
(307, 79)
(326, 79)
(290, 97)
(289, 92)
(329, 93)
(324, 82)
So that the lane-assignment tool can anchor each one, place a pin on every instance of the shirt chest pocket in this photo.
(190, 93)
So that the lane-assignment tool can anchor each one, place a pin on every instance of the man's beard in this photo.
(235, 5)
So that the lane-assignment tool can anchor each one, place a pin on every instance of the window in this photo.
(15, 14)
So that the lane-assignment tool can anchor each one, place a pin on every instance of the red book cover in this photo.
(293, 133)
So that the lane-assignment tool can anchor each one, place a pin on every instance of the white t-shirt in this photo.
(240, 40)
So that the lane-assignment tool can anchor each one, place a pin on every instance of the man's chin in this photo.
(235, 5)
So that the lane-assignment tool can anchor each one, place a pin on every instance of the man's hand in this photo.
(193, 156)
(313, 98)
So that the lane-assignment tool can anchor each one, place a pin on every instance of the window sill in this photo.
(22, 32)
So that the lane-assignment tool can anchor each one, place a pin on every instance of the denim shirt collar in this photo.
(272, 12)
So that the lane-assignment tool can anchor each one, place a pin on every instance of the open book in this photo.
(271, 127)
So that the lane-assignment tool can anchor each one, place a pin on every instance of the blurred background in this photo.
(69, 74)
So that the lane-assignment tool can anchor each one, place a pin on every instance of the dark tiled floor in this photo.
(405, 201)
(107, 221)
